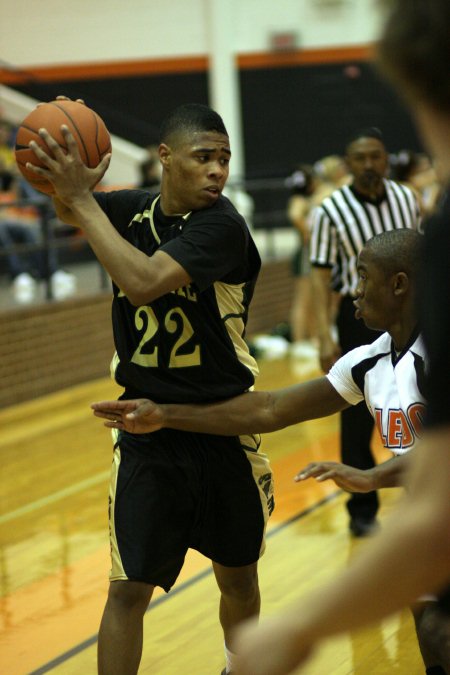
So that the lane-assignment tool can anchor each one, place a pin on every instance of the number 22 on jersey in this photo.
(175, 323)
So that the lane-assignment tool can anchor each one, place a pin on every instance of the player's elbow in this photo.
(138, 299)
(138, 292)
(273, 417)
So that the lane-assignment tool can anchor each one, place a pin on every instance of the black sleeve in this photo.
(211, 251)
(435, 313)
(122, 205)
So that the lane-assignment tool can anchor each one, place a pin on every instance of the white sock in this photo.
(230, 659)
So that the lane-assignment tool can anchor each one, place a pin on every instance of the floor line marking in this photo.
(55, 497)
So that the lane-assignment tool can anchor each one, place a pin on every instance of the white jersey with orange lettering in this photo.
(392, 385)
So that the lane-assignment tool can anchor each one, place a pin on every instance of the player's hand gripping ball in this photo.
(88, 129)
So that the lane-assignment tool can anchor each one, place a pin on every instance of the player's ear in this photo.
(401, 283)
(165, 155)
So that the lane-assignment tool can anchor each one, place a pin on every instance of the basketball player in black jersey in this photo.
(183, 266)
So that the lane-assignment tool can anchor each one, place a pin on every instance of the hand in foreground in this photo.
(138, 416)
(346, 477)
(66, 171)
(272, 648)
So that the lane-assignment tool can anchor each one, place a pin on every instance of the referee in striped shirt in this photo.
(341, 225)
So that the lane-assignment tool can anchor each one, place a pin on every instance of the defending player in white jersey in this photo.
(392, 384)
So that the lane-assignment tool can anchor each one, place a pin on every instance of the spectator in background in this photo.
(27, 262)
(302, 185)
(417, 171)
(8, 169)
(332, 173)
(20, 228)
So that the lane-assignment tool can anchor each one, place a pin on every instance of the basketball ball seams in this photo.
(97, 129)
(25, 126)
(74, 125)
(30, 156)
(88, 129)
(101, 131)
(26, 150)
(19, 148)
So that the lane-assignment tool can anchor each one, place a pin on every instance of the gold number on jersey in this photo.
(150, 359)
(178, 360)
(145, 319)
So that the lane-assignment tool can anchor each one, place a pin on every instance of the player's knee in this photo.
(240, 587)
(129, 595)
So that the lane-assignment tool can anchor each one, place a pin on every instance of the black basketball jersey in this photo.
(188, 345)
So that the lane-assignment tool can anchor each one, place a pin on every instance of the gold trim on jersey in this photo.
(114, 365)
(149, 214)
(263, 477)
(117, 570)
(152, 222)
(229, 298)
(250, 442)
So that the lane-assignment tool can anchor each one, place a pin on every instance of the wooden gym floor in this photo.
(54, 557)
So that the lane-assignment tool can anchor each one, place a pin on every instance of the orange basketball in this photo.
(86, 126)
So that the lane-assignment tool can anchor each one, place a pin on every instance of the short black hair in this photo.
(398, 251)
(366, 132)
(191, 117)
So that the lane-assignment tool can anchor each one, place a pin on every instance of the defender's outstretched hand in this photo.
(138, 416)
(346, 477)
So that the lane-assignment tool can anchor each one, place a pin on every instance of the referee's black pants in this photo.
(356, 422)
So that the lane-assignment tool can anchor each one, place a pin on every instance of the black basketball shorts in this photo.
(173, 490)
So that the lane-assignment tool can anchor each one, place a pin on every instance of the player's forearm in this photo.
(251, 412)
(257, 411)
(126, 265)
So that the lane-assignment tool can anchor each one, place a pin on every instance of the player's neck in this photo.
(403, 331)
(171, 207)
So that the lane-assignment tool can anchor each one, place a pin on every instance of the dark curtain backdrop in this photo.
(290, 115)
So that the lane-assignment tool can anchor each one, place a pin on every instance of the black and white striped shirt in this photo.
(344, 222)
